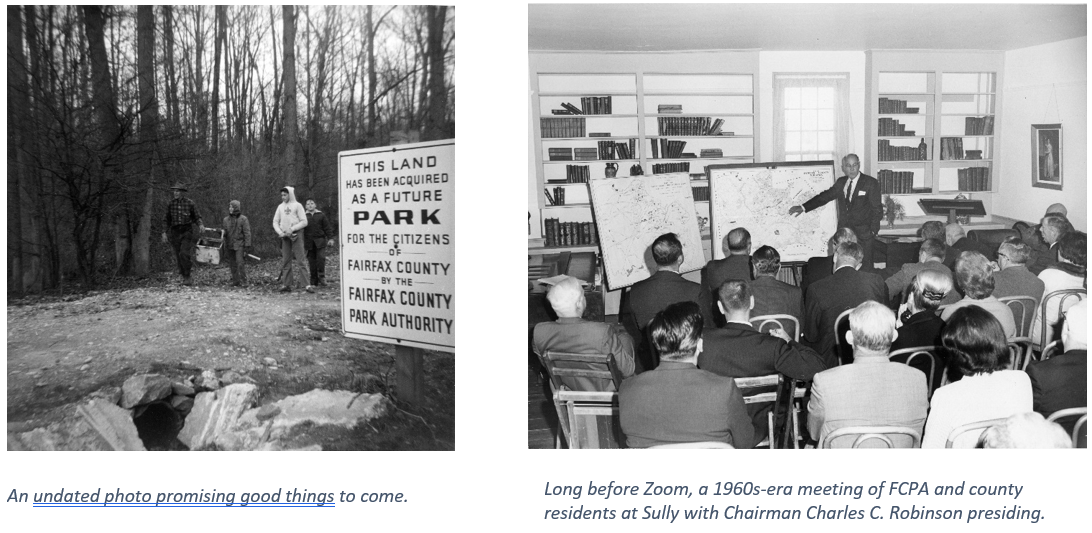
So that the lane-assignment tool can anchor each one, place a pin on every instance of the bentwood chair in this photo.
(842, 350)
(1023, 310)
(887, 435)
(1051, 350)
(694, 445)
(923, 358)
(765, 323)
(1080, 428)
(966, 431)
(1058, 299)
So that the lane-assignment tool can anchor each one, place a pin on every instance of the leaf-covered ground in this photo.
(63, 348)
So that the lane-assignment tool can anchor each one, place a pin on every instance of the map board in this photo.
(757, 196)
(397, 232)
(630, 212)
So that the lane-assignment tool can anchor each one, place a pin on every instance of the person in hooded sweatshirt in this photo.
(318, 234)
(287, 222)
(236, 242)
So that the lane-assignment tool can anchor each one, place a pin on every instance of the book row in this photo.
(951, 148)
(886, 152)
(666, 168)
(701, 194)
(890, 127)
(570, 233)
(557, 198)
(974, 179)
(979, 125)
(689, 125)
(667, 149)
(589, 105)
(577, 173)
(554, 128)
(610, 150)
(896, 106)
(896, 182)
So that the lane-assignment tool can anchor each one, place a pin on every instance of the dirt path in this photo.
(60, 350)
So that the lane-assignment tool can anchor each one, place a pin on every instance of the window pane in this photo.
(792, 141)
(826, 98)
(792, 98)
(808, 157)
(792, 157)
(808, 141)
(808, 120)
(808, 97)
(826, 156)
(826, 140)
(792, 120)
(826, 119)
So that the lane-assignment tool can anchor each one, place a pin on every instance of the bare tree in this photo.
(291, 125)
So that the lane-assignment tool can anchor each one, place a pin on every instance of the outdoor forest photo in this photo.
(173, 232)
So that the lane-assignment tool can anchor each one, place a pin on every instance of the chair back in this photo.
(923, 358)
(588, 419)
(1058, 300)
(714, 444)
(972, 429)
(1051, 350)
(758, 390)
(869, 434)
(582, 371)
(765, 323)
(1080, 428)
(1023, 310)
(842, 350)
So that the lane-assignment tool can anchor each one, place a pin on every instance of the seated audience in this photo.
(976, 346)
(1061, 382)
(957, 240)
(1067, 273)
(934, 229)
(735, 265)
(572, 334)
(930, 257)
(974, 277)
(827, 298)
(738, 350)
(1051, 230)
(664, 287)
(1014, 278)
(774, 297)
(872, 391)
(1029, 431)
(920, 324)
(678, 402)
(818, 268)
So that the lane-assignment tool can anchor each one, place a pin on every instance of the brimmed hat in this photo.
(179, 186)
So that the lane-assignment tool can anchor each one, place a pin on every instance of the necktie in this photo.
(849, 189)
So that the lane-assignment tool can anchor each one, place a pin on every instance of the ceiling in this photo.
(672, 27)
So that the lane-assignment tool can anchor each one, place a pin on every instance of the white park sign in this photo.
(397, 231)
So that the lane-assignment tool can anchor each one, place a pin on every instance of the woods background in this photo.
(108, 106)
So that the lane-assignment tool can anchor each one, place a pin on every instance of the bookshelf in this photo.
(933, 123)
(658, 115)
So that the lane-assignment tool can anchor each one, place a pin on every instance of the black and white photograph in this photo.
(806, 226)
(230, 228)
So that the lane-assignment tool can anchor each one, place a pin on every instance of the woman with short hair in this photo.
(974, 277)
(975, 343)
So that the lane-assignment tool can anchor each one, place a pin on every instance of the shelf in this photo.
(548, 184)
(586, 95)
(566, 206)
(698, 93)
(658, 115)
(904, 114)
(554, 249)
(699, 136)
(612, 115)
(571, 139)
(964, 160)
(904, 136)
(575, 161)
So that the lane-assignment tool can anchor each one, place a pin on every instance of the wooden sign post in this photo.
(397, 214)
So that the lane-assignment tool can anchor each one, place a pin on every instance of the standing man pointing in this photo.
(859, 204)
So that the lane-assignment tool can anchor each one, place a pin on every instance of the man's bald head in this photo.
(952, 233)
(738, 242)
(1057, 209)
(567, 298)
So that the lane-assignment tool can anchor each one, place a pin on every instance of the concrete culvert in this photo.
(158, 426)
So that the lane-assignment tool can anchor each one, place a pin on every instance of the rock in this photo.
(87, 361)
(320, 407)
(230, 377)
(269, 361)
(84, 368)
(110, 395)
(207, 381)
(144, 388)
(268, 411)
(182, 404)
(113, 424)
(182, 389)
(215, 415)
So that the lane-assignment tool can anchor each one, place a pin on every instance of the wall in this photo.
(770, 63)
(1035, 78)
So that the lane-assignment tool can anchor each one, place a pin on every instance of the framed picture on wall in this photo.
(1046, 156)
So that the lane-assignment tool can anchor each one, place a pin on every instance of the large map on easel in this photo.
(631, 212)
(758, 197)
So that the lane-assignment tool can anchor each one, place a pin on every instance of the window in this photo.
(810, 117)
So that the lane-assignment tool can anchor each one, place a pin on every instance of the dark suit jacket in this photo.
(1059, 383)
(1017, 281)
(650, 296)
(678, 402)
(741, 351)
(922, 329)
(773, 297)
(966, 245)
(826, 299)
(816, 269)
(1044, 258)
(716, 272)
(862, 213)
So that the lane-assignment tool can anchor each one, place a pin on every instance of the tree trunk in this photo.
(149, 122)
(220, 29)
(34, 263)
(17, 104)
(172, 77)
(371, 75)
(199, 85)
(291, 125)
(435, 123)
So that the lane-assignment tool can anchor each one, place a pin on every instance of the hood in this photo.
(291, 193)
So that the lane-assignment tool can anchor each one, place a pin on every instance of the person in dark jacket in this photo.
(236, 242)
(318, 234)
